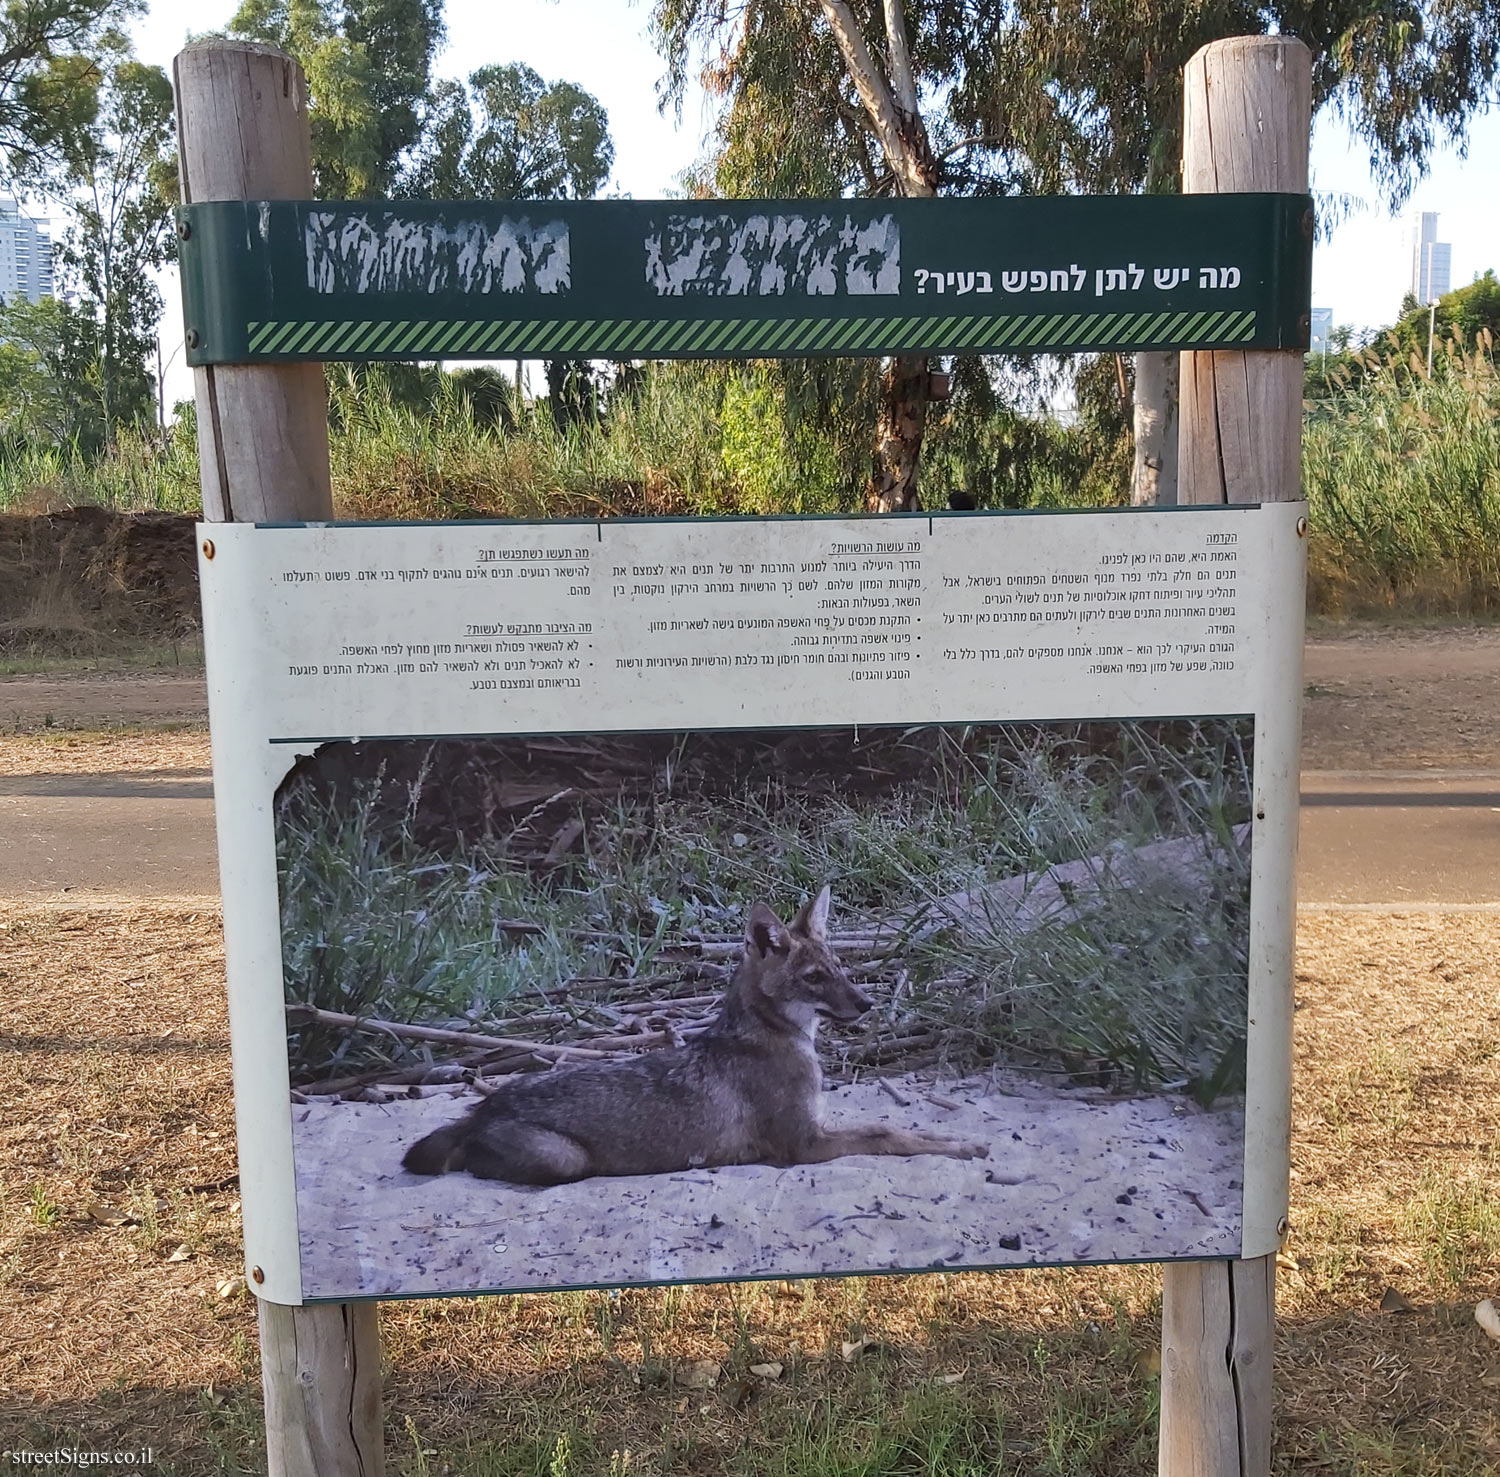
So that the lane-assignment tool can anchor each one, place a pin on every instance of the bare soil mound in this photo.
(87, 580)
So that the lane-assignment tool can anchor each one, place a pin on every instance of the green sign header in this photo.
(274, 281)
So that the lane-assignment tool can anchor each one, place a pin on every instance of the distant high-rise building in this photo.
(25, 255)
(1431, 259)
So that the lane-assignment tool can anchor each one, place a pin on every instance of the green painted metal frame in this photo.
(281, 281)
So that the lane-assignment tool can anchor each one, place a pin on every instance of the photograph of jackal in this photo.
(583, 1010)
(747, 1091)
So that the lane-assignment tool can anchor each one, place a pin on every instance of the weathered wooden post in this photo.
(263, 452)
(1247, 108)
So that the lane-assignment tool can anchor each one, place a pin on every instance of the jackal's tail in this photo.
(437, 1153)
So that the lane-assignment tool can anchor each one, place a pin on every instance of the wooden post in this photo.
(1247, 110)
(263, 455)
(242, 134)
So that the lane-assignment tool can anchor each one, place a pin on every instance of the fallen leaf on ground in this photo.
(105, 1215)
(1396, 1302)
(771, 1371)
(182, 1254)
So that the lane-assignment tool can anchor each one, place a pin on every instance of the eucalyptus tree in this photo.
(48, 77)
(1054, 96)
(506, 135)
(118, 174)
(369, 79)
(509, 135)
(840, 95)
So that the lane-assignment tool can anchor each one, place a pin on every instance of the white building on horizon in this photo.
(25, 255)
(1431, 259)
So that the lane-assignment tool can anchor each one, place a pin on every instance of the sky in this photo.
(1360, 271)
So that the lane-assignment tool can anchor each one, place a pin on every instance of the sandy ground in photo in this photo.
(1070, 1178)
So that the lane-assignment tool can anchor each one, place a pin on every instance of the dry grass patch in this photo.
(116, 1151)
(1395, 1184)
(105, 752)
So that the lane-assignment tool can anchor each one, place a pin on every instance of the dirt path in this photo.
(1399, 699)
(86, 814)
(1376, 698)
(93, 700)
(1401, 776)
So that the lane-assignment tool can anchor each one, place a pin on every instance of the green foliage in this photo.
(509, 135)
(45, 1212)
(379, 928)
(1402, 472)
(49, 77)
(1457, 1224)
(1466, 312)
(794, 434)
(433, 455)
(141, 470)
(757, 454)
(1004, 458)
(369, 69)
(787, 126)
(38, 383)
(1328, 369)
(1065, 97)
(120, 172)
(1031, 78)
(1074, 95)
(1402, 475)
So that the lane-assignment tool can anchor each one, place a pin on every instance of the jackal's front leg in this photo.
(838, 1143)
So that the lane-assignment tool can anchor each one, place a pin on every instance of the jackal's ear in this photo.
(766, 933)
(812, 921)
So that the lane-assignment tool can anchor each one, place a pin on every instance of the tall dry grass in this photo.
(1401, 468)
(143, 471)
(1402, 476)
(658, 450)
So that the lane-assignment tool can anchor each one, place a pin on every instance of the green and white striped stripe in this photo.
(655, 338)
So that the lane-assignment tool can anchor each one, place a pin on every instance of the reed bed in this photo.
(1401, 468)
(1402, 475)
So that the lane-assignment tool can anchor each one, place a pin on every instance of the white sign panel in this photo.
(613, 903)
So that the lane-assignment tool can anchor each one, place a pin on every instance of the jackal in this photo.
(747, 1091)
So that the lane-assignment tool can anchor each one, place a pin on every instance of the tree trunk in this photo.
(1154, 478)
(890, 100)
(1154, 481)
(898, 437)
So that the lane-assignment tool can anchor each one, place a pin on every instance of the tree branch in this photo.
(969, 143)
(871, 85)
(903, 82)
